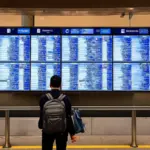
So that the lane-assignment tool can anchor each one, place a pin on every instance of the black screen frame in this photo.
(78, 91)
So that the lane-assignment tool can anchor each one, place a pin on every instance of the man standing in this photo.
(55, 117)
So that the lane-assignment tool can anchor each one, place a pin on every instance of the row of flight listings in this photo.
(87, 59)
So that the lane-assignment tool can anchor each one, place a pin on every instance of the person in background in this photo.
(52, 128)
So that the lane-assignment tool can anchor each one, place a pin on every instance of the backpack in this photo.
(54, 115)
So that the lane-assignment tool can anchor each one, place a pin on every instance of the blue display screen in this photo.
(14, 31)
(86, 31)
(131, 76)
(45, 48)
(87, 76)
(41, 74)
(15, 76)
(131, 48)
(87, 59)
(15, 48)
(130, 31)
(87, 48)
(82, 31)
(45, 31)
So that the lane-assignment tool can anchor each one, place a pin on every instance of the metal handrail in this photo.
(107, 108)
(7, 109)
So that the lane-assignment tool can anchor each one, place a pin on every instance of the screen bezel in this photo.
(78, 91)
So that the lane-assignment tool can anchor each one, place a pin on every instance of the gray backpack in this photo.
(54, 115)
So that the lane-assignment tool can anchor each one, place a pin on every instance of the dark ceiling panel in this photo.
(73, 4)
(76, 11)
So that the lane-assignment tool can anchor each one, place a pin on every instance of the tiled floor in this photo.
(83, 143)
(82, 140)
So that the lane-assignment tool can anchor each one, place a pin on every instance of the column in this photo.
(27, 20)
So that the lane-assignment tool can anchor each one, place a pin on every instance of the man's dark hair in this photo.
(55, 81)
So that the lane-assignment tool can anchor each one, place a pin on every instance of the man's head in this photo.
(55, 82)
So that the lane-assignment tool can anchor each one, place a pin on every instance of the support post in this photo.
(134, 144)
(7, 130)
(27, 20)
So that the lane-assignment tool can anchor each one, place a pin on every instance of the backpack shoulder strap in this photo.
(49, 96)
(61, 97)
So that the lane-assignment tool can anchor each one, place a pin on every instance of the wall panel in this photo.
(78, 99)
(81, 21)
(10, 20)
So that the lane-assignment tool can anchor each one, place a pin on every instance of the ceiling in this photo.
(73, 3)
(75, 12)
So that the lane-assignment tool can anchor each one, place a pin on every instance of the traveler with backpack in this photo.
(55, 117)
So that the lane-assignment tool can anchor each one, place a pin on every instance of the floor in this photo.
(84, 148)
(84, 143)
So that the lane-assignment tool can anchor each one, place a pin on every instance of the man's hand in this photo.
(73, 139)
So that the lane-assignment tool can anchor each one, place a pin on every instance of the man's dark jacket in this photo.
(56, 94)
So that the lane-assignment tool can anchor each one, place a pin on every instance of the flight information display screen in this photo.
(15, 48)
(14, 76)
(131, 48)
(45, 48)
(87, 76)
(41, 74)
(131, 76)
(87, 59)
(87, 48)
